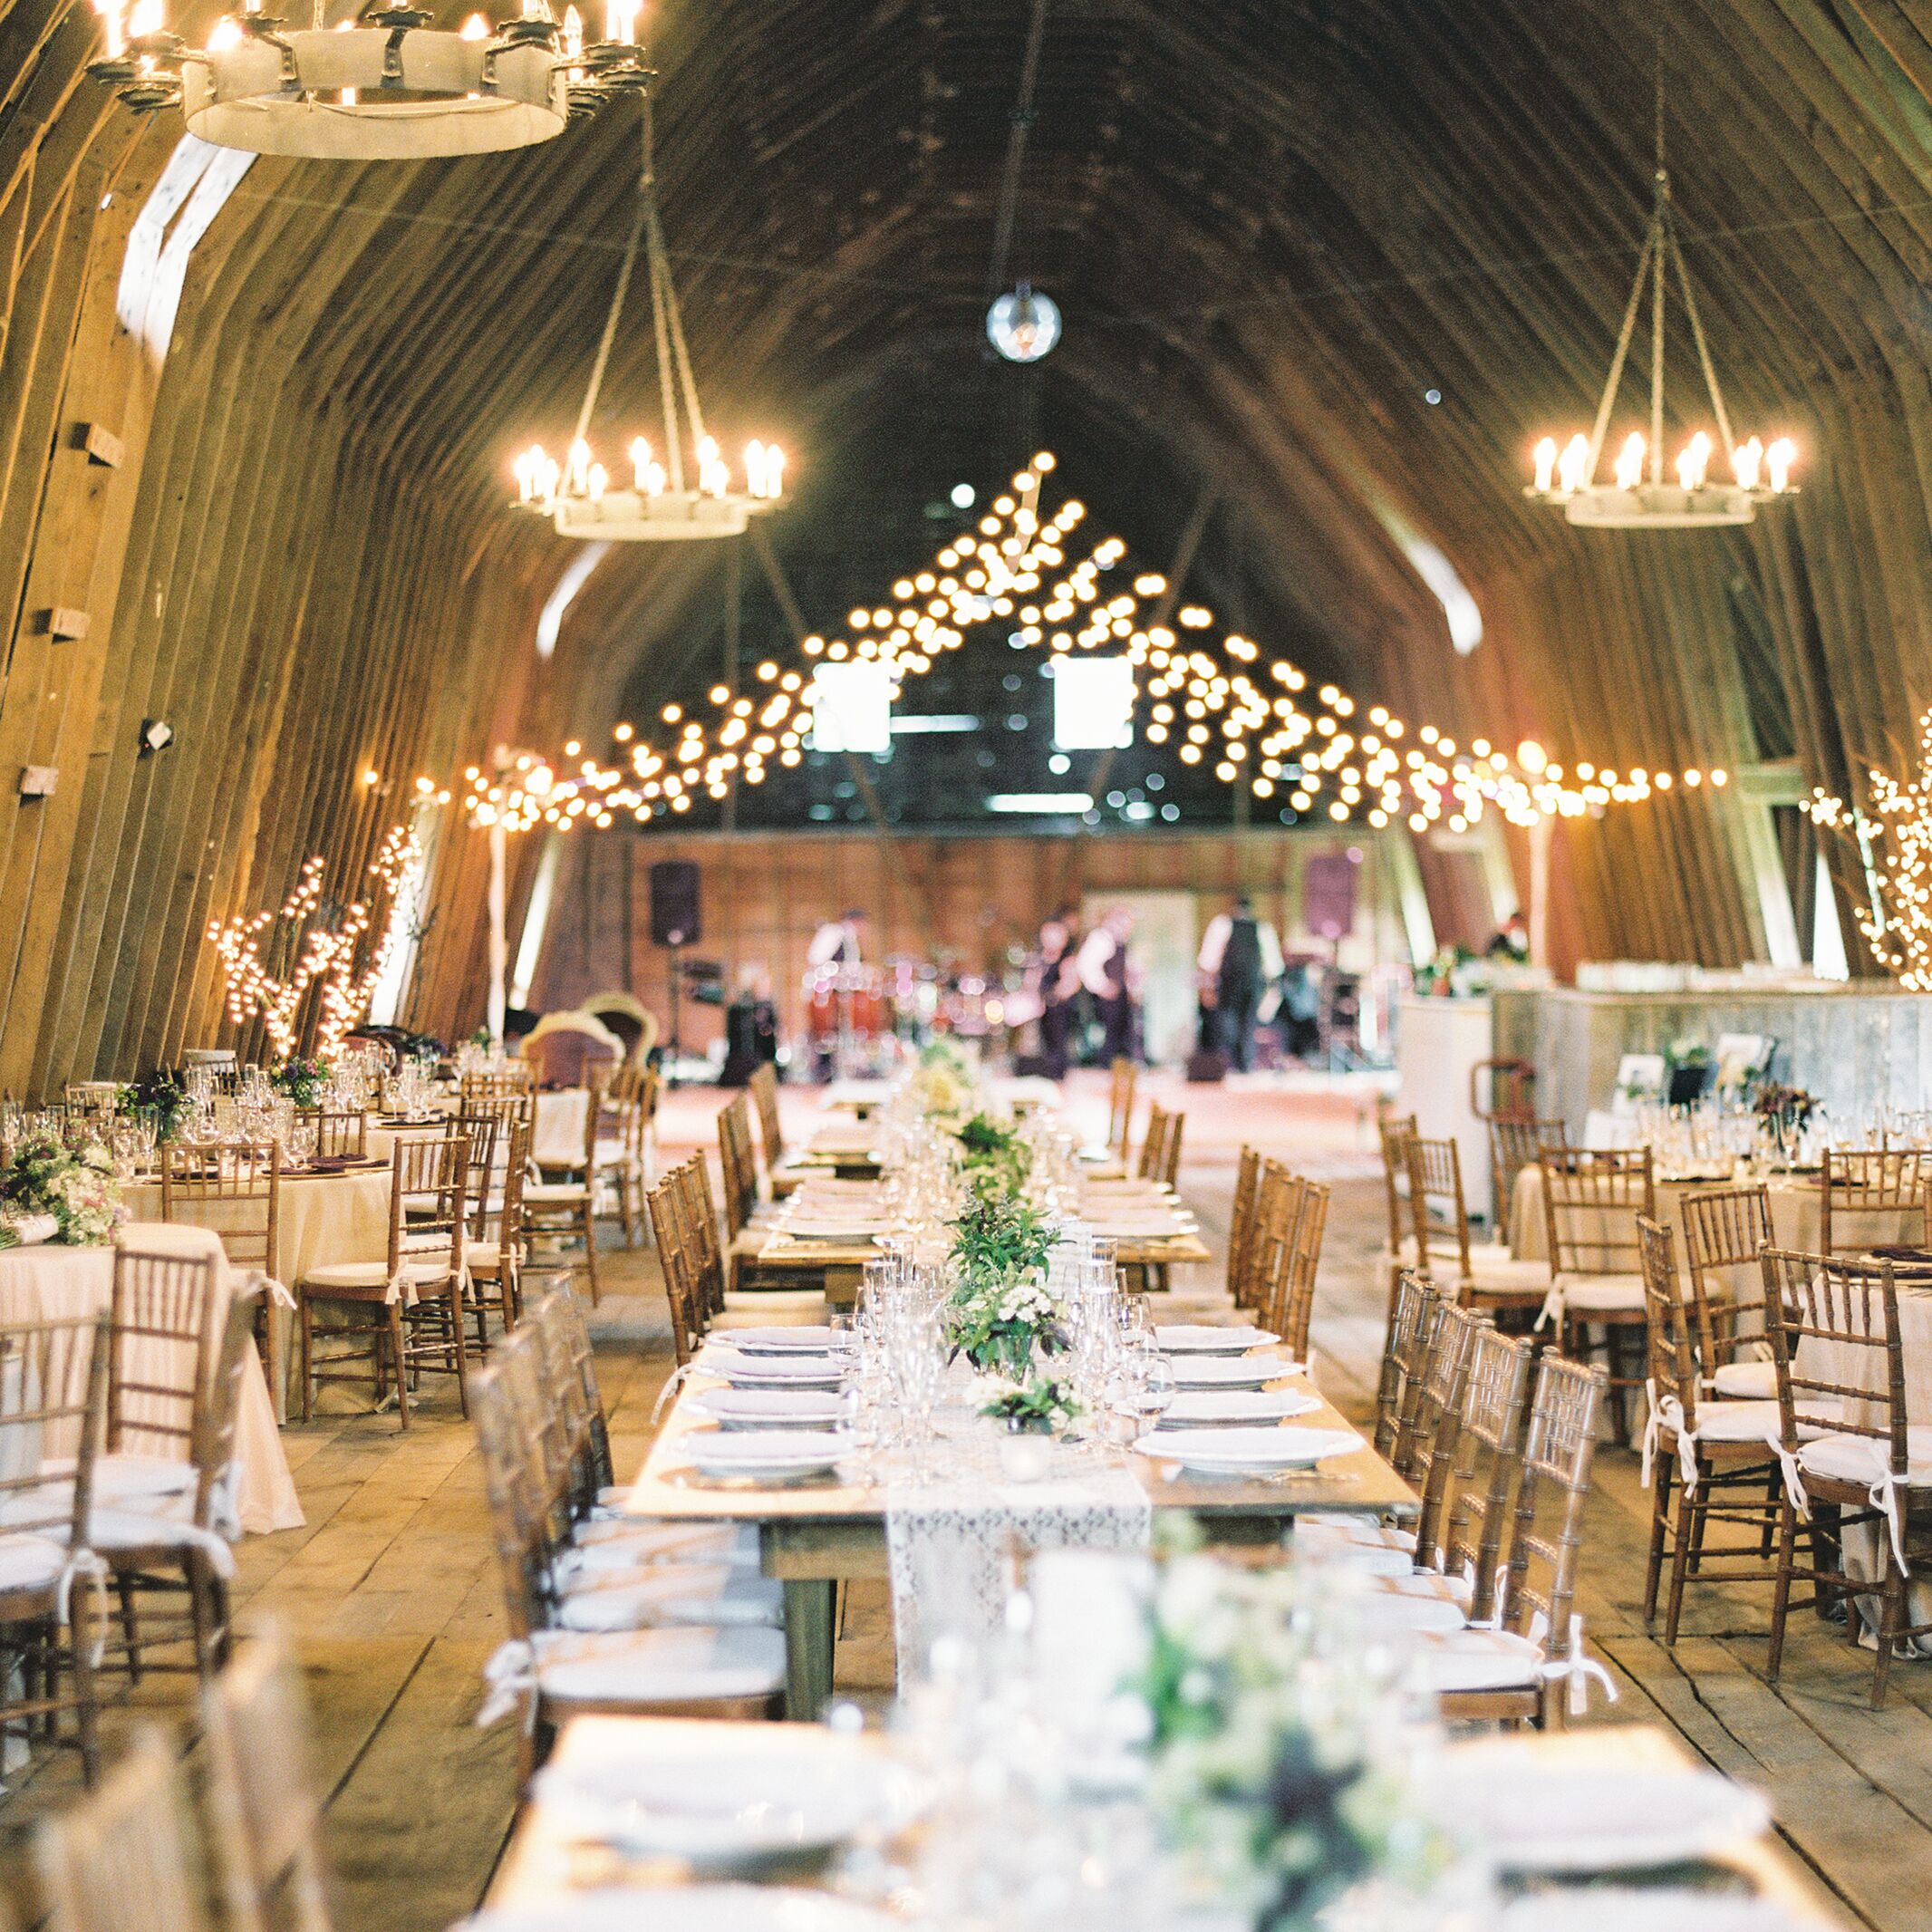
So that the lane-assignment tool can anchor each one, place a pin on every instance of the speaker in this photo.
(674, 903)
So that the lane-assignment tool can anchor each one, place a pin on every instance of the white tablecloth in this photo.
(1796, 1212)
(46, 1283)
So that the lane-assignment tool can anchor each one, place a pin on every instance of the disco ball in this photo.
(1023, 326)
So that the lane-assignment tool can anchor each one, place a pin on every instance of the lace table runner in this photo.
(957, 1515)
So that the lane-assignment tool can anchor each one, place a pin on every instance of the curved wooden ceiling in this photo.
(1273, 225)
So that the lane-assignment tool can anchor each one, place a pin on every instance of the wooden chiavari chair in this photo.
(1725, 1229)
(688, 1669)
(1121, 1078)
(664, 1204)
(1846, 1437)
(1240, 1227)
(172, 1547)
(1298, 1306)
(1591, 1201)
(560, 1210)
(1154, 1147)
(1277, 1209)
(1439, 1420)
(123, 1858)
(338, 1136)
(1866, 1184)
(1169, 1171)
(495, 1257)
(235, 1192)
(764, 1091)
(1401, 1450)
(1514, 1144)
(400, 1337)
(515, 1077)
(618, 1151)
(738, 1166)
(1402, 1345)
(1488, 1463)
(1539, 1591)
(1399, 1250)
(1479, 1274)
(1706, 1452)
(261, 1802)
(52, 1391)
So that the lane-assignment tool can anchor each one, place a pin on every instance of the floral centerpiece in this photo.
(1262, 1773)
(1687, 1067)
(994, 1158)
(159, 1096)
(75, 1187)
(1043, 1406)
(301, 1081)
(1784, 1113)
(999, 1310)
(941, 1083)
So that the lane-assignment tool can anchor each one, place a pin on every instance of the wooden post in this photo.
(1540, 834)
(499, 942)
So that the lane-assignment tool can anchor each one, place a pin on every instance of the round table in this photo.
(1796, 1213)
(47, 1282)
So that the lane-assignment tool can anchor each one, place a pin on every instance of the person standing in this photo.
(1240, 960)
(1058, 984)
(1105, 973)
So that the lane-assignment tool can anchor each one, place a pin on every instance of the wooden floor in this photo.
(391, 1595)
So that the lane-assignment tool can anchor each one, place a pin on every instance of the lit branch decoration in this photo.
(1894, 837)
(325, 945)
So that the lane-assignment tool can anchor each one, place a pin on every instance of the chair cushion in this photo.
(1738, 1422)
(750, 1307)
(554, 1194)
(1479, 1660)
(664, 1594)
(628, 1545)
(370, 1276)
(1502, 1274)
(1863, 1459)
(615, 1153)
(1747, 1381)
(688, 1665)
(1417, 1602)
(30, 1562)
(1603, 1294)
(123, 1475)
(1379, 1548)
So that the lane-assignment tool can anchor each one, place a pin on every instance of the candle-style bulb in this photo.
(1545, 465)
(1778, 461)
(1747, 463)
(641, 461)
(1694, 461)
(1573, 464)
(1629, 470)
(572, 34)
(475, 28)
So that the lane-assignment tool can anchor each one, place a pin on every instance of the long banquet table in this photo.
(815, 1536)
(548, 1866)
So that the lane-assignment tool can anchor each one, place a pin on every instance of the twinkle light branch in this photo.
(1261, 726)
(328, 951)
(1894, 837)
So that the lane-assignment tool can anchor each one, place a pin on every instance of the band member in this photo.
(1059, 985)
(838, 941)
(1240, 960)
(1105, 971)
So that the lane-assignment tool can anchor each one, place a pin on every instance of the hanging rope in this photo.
(624, 286)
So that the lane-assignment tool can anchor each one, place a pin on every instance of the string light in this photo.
(326, 951)
(1894, 838)
(1254, 725)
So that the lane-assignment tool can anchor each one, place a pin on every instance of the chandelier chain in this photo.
(623, 283)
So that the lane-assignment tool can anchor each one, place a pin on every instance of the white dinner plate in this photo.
(1231, 1371)
(1247, 1449)
(767, 1452)
(1197, 1338)
(787, 1371)
(1195, 1409)
(808, 1338)
(690, 1909)
(735, 1800)
(771, 1408)
(1535, 1815)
